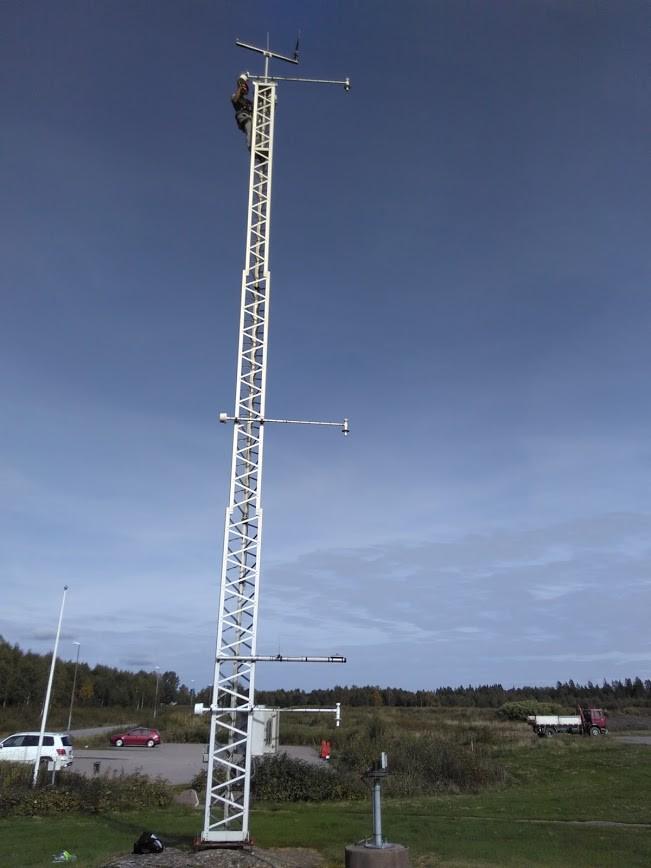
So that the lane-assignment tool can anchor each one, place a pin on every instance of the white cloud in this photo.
(555, 592)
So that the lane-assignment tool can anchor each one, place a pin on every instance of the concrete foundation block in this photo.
(389, 856)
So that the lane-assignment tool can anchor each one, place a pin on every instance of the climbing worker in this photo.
(243, 107)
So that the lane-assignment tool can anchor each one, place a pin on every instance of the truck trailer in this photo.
(589, 721)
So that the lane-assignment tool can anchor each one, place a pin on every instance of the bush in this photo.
(305, 729)
(73, 793)
(421, 764)
(433, 756)
(195, 732)
(521, 710)
(282, 779)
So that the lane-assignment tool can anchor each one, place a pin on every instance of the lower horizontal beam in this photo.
(224, 837)
(280, 658)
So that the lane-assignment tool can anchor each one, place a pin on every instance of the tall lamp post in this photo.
(74, 684)
(156, 693)
(46, 704)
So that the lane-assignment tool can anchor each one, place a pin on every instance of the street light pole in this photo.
(46, 705)
(74, 684)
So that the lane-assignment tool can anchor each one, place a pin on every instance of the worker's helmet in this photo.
(243, 76)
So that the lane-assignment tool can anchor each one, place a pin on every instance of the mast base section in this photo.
(222, 841)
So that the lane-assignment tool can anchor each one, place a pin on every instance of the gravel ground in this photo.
(247, 858)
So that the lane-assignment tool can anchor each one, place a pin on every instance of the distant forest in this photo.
(24, 674)
(23, 679)
(630, 693)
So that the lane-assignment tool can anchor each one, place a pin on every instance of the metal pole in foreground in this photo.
(46, 705)
(377, 813)
(376, 773)
(74, 684)
(376, 852)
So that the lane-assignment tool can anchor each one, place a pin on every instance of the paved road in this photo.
(634, 739)
(302, 752)
(176, 763)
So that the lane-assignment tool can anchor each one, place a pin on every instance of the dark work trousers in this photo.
(245, 123)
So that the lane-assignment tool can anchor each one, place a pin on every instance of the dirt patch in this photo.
(253, 857)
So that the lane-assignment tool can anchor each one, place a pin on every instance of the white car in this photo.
(21, 747)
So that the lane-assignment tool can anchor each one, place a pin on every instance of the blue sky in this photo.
(460, 264)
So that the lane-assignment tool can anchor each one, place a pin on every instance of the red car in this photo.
(139, 735)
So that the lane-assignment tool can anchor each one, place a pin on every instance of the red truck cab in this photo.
(594, 720)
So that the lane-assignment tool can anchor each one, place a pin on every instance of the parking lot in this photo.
(176, 763)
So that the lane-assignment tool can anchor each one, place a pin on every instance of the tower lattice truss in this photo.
(229, 757)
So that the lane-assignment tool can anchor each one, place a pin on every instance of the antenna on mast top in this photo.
(267, 53)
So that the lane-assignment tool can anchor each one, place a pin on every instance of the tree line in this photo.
(614, 694)
(24, 674)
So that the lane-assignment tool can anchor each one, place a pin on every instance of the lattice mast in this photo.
(226, 818)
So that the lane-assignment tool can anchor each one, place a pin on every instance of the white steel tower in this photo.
(226, 818)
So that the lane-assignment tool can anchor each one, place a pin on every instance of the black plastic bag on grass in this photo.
(148, 842)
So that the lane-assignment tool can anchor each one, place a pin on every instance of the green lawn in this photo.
(31, 841)
(535, 820)
(437, 835)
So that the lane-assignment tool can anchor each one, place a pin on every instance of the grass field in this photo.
(560, 806)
